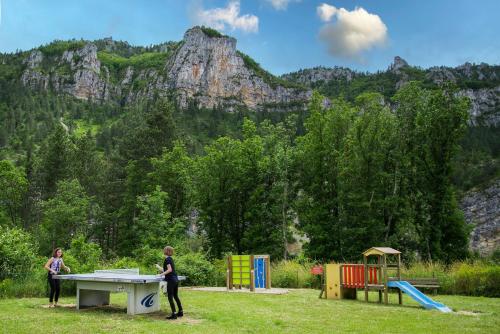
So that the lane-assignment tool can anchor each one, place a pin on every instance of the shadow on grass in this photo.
(120, 310)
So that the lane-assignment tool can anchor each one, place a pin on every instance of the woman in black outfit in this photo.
(172, 282)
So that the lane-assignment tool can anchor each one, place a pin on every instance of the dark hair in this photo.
(54, 253)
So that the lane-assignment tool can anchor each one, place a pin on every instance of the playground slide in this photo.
(418, 296)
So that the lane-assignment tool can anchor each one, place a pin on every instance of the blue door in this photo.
(260, 272)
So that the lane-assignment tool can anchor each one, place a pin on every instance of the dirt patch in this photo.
(470, 313)
(272, 291)
(59, 306)
(186, 319)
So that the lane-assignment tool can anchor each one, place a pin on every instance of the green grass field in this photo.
(300, 311)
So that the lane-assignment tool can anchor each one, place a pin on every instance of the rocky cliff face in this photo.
(320, 74)
(207, 70)
(76, 72)
(481, 83)
(481, 211)
(212, 71)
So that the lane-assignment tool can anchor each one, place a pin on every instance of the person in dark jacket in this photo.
(172, 283)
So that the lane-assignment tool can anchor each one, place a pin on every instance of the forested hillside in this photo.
(113, 144)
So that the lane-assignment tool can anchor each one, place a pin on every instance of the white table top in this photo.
(115, 275)
(110, 277)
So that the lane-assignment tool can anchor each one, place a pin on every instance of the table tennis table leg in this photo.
(86, 297)
(143, 298)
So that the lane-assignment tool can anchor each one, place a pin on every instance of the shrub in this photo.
(292, 274)
(83, 256)
(17, 253)
(147, 257)
(34, 284)
(475, 278)
(197, 268)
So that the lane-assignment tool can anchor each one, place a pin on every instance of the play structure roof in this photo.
(381, 251)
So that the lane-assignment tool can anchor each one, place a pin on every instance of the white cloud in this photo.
(326, 11)
(349, 33)
(281, 4)
(227, 17)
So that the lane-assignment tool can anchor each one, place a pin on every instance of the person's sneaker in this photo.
(180, 314)
(171, 317)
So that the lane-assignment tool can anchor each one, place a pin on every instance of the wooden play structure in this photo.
(342, 280)
(380, 271)
(248, 271)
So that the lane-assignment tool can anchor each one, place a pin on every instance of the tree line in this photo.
(358, 174)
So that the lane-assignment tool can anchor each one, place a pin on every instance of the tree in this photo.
(14, 186)
(438, 120)
(55, 161)
(65, 215)
(173, 172)
(369, 177)
(319, 154)
(279, 157)
(154, 226)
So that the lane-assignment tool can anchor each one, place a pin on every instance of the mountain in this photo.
(481, 83)
(94, 86)
(205, 67)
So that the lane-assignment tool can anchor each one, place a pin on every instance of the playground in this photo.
(299, 311)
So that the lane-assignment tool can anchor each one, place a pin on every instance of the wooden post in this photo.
(252, 273)
(268, 272)
(400, 293)
(241, 273)
(230, 272)
(252, 280)
(386, 292)
(365, 262)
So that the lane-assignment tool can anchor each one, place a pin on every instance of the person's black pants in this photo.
(55, 288)
(172, 293)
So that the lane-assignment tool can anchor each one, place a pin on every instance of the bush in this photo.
(147, 257)
(83, 256)
(292, 274)
(476, 278)
(17, 253)
(197, 268)
(32, 285)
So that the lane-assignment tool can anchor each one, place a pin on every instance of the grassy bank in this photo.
(300, 311)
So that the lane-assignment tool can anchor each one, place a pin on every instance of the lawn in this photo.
(300, 311)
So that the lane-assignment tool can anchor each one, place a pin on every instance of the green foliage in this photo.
(476, 278)
(14, 186)
(172, 171)
(55, 164)
(65, 215)
(268, 78)
(237, 208)
(292, 274)
(17, 253)
(211, 32)
(197, 268)
(57, 47)
(154, 226)
(147, 60)
(83, 256)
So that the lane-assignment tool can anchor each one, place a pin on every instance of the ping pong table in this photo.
(93, 289)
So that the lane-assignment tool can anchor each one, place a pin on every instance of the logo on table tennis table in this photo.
(148, 301)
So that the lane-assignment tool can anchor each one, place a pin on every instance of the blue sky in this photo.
(282, 35)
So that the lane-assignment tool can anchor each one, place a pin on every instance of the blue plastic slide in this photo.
(418, 296)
